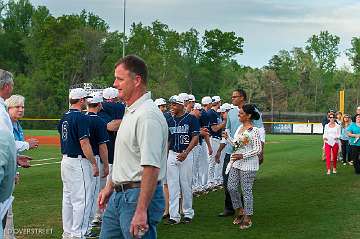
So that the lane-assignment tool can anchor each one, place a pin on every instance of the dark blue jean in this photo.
(120, 211)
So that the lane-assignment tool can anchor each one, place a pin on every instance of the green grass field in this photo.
(293, 197)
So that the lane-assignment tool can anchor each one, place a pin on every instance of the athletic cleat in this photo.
(91, 235)
(171, 222)
(187, 220)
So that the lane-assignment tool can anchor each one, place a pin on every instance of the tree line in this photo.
(49, 54)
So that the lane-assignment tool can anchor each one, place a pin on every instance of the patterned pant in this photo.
(245, 179)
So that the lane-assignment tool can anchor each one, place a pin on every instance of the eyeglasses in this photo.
(331, 117)
(235, 96)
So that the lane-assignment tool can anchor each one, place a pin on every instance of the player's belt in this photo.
(73, 155)
(216, 137)
(177, 151)
(122, 187)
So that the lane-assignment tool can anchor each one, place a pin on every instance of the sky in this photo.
(267, 26)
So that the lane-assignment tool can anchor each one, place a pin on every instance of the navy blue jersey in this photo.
(204, 123)
(181, 131)
(214, 119)
(111, 111)
(167, 115)
(73, 127)
(98, 132)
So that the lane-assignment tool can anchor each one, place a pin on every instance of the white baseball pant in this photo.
(101, 183)
(203, 165)
(179, 178)
(215, 143)
(196, 167)
(78, 193)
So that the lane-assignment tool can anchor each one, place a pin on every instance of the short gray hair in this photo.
(5, 78)
(15, 100)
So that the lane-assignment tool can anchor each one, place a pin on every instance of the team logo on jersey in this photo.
(64, 130)
(182, 129)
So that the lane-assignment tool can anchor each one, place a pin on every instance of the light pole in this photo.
(124, 29)
(272, 101)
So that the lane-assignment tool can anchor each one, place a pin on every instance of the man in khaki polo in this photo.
(134, 198)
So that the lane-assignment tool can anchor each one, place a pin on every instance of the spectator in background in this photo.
(354, 134)
(331, 140)
(344, 139)
(356, 113)
(338, 120)
(324, 122)
(339, 117)
(16, 106)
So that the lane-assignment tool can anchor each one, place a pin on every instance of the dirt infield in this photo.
(46, 140)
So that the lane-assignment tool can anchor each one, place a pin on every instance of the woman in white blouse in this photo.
(243, 166)
(331, 137)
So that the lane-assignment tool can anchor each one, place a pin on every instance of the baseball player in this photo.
(191, 103)
(216, 127)
(98, 140)
(111, 113)
(184, 132)
(196, 185)
(161, 103)
(78, 167)
(220, 161)
(186, 99)
(205, 148)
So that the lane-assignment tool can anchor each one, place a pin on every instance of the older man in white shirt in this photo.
(6, 88)
(134, 197)
(7, 170)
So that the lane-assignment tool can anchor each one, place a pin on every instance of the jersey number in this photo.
(64, 130)
(184, 139)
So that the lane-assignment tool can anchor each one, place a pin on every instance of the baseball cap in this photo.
(95, 97)
(226, 106)
(184, 96)
(176, 99)
(160, 101)
(216, 99)
(110, 93)
(206, 100)
(221, 109)
(77, 94)
(197, 106)
(358, 108)
(192, 98)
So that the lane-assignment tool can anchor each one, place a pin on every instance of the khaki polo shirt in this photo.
(141, 140)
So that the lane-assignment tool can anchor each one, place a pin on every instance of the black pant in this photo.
(345, 150)
(228, 203)
(354, 155)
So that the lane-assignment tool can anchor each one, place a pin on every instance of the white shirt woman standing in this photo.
(244, 164)
(331, 137)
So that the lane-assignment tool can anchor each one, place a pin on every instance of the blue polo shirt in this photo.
(214, 119)
(73, 127)
(181, 131)
(98, 132)
(354, 129)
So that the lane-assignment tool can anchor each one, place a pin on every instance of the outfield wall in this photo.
(270, 127)
(293, 127)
